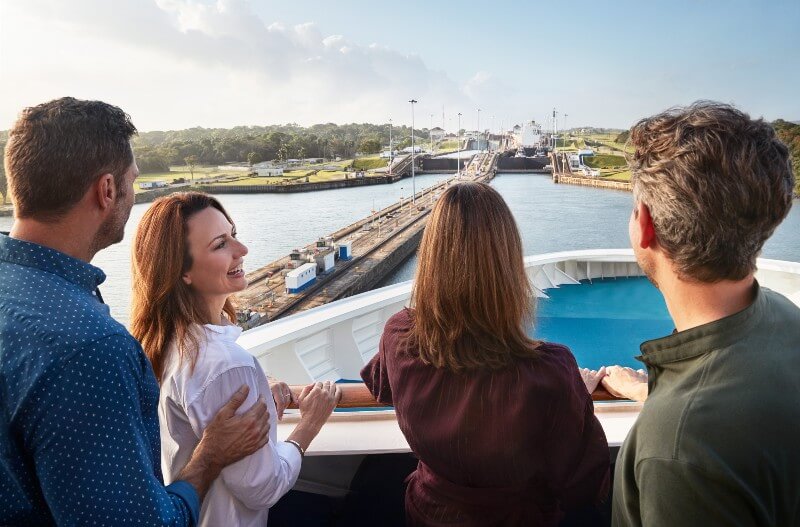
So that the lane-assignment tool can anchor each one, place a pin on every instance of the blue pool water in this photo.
(603, 322)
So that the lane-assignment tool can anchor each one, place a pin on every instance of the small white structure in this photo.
(345, 250)
(324, 261)
(267, 172)
(148, 185)
(299, 279)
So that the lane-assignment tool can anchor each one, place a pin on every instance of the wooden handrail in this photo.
(356, 395)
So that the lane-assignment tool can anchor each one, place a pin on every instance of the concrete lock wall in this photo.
(522, 164)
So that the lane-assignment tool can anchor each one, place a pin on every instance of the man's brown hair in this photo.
(717, 184)
(56, 150)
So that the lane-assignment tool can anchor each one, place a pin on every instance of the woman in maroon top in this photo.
(503, 425)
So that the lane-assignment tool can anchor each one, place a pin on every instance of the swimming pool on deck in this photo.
(603, 321)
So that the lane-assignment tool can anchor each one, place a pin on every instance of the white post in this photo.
(413, 183)
(391, 152)
(479, 129)
(458, 133)
(555, 130)
(430, 133)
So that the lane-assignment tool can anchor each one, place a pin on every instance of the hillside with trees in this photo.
(789, 133)
(156, 151)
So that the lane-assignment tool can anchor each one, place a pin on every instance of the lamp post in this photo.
(491, 131)
(391, 152)
(479, 129)
(413, 184)
(458, 132)
(430, 133)
(555, 130)
(565, 129)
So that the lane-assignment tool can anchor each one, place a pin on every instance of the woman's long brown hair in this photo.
(164, 308)
(471, 297)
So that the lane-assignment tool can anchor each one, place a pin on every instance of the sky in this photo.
(174, 64)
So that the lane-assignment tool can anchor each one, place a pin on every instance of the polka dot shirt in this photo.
(79, 437)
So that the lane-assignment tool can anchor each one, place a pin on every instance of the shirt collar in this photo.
(228, 332)
(37, 256)
(706, 338)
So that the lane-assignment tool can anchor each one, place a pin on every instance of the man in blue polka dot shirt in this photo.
(79, 438)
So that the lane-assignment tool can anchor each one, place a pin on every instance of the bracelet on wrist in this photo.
(297, 446)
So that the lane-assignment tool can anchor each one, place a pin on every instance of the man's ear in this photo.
(644, 221)
(105, 191)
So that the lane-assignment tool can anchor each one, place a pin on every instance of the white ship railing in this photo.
(334, 341)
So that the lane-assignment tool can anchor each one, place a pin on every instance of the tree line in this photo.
(789, 133)
(157, 151)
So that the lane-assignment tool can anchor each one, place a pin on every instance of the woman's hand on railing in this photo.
(316, 402)
(282, 395)
(591, 378)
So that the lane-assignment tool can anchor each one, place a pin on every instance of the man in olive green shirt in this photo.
(718, 439)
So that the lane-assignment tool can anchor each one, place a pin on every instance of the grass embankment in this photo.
(370, 163)
(611, 166)
(605, 161)
(177, 173)
(447, 147)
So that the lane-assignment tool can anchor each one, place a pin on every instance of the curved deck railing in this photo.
(334, 341)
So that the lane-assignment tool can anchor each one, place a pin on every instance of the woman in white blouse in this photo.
(186, 264)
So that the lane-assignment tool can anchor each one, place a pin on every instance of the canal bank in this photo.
(592, 182)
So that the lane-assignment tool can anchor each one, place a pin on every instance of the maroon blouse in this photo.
(516, 446)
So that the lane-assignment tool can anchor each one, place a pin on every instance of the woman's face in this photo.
(217, 256)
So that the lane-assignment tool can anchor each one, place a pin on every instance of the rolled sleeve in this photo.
(260, 479)
(375, 376)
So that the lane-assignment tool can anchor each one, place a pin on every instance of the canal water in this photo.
(550, 217)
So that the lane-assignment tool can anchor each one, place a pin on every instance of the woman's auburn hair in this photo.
(164, 308)
(471, 298)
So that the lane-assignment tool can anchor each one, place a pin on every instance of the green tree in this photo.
(191, 163)
(3, 181)
(370, 146)
(3, 184)
(253, 158)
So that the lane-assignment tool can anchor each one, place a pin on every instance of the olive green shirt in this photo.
(718, 440)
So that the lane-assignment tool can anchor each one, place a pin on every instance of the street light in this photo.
(479, 129)
(413, 184)
(491, 131)
(430, 133)
(391, 152)
(555, 130)
(458, 172)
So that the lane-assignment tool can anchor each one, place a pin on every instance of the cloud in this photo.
(182, 63)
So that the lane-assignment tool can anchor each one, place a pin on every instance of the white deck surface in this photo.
(377, 432)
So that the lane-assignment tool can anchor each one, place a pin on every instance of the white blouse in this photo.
(245, 490)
